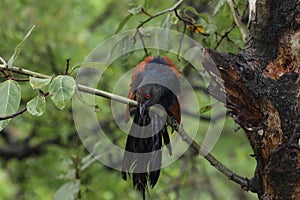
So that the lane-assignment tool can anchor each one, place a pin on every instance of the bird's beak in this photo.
(142, 109)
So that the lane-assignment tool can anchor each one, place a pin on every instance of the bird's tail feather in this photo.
(143, 155)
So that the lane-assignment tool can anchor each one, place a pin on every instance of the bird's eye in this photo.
(148, 96)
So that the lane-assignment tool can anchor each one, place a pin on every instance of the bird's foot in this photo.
(174, 124)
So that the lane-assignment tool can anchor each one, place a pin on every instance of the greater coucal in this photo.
(155, 81)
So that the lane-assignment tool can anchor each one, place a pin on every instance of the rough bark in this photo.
(262, 86)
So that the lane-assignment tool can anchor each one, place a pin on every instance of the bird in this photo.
(155, 82)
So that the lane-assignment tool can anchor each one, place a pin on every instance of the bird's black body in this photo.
(155, 82)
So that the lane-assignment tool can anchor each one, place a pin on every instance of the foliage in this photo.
(70, 29)
(10, 99)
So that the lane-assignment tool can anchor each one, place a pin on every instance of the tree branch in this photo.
(224, 35)
(237, 20)
(80, 87)
(243, 182)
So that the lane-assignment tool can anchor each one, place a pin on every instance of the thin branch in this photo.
(224, 35)
(74, 68)
(237, 20)
(20, 112)
(105, 94)
(24, 72)
(145, 12)
(234, 43)
(81, 88)
(142, 39)
(174, 7)
(183, 32)
(67, 66)
(14, 115)
(151, 17)
(19, 79)
(243, 182)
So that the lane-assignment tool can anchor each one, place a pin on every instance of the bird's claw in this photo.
(174, 124)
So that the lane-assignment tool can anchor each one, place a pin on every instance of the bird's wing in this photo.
(174, 109)
(175, 106)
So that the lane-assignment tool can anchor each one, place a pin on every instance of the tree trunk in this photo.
(262, 86)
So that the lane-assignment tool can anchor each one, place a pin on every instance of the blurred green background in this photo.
(71, 29)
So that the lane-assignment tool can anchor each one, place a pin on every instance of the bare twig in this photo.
(19, 79)
(67, 66)
(224, 36)
(142, 39)
(74, 68)
(13, 115)
(151, 17)
(76, 163)
(183, 32)
(243, 182)
(145, 12)
(237, 20)
(105, 94)
(24, 72)
(174, 7)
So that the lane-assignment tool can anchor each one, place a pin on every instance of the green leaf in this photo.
(68, 191)
(19, 48)
(61, 90)
(190, 9)
(9, 100)
(166, 23)
(38, 83)
(206, 108)
(37, 105)
(204, 17)
(174, 19)
(135, 10)
(123, 22)
(219, 5)
(69, 175)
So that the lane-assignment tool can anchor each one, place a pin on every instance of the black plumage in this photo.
(155, 81)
